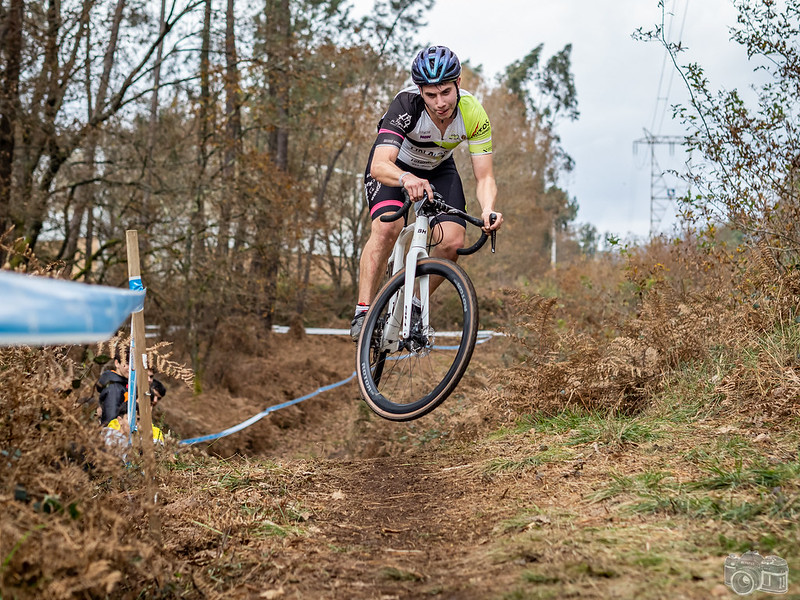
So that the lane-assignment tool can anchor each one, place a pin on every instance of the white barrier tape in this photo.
(327, 331)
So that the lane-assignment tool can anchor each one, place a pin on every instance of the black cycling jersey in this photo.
(425, 151)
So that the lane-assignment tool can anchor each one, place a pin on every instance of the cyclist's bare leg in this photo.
(374, 257)
(446, 245)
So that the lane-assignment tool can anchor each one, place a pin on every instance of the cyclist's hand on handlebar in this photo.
(488, 225)
(417, 187)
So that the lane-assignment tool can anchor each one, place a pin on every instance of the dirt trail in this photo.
(391, 510)
(326, 500)
(487, 497)
(396, 527)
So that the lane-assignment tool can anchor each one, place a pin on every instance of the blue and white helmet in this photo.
(435, 65)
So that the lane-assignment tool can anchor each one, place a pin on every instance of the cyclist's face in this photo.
(440, 99)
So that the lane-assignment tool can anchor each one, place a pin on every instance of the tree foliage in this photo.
(749, 142)
(533, 96)
(233, 136)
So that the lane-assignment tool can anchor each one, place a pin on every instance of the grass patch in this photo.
(723, 447)
(523, 521)
(765, 543)
(395, 574)
(759, 475)
(644, 483)
(554, 454)
(539, 578)
(736, 510)
(589, 427)
(268, 528)
(582, 569)
(644, 559)
(613, 431)
(278, 521)
(560, 423)
(688, 394)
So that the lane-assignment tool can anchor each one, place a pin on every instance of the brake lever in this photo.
(492, 220)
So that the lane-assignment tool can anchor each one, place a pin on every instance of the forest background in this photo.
(234, 139)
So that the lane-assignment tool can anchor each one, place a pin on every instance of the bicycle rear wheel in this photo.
(404, 379)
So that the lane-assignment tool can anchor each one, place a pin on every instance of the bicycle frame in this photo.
(418, 232)
(423, 377)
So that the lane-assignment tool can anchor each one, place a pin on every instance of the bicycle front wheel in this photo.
(405, 378)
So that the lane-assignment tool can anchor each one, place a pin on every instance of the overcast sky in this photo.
(620, 87)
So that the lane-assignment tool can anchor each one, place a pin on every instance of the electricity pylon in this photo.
(662, 194)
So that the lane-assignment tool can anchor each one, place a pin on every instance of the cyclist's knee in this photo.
(385, 234)
(448, 252)
(451, 242)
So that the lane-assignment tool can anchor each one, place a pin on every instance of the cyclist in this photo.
(414, 148)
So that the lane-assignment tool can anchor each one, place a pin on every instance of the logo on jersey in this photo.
(402, 121)
(484, 128)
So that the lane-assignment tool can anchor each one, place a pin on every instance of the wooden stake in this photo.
(142, 388)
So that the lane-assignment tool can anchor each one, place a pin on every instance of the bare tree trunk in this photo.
(279, 45)
(233, 129)
(146, 216)
(33, 201)
(11, 36)
(195, 245)
(278, 40)
(85, 194)
(205, 117)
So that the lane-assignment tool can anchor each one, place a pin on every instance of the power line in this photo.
(663, 192)
(662, 101)
(672, 71)
(661, 77)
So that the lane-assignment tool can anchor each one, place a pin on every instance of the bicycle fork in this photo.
(401, 311)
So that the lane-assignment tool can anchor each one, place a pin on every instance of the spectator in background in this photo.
(157, 389)
(113, 387)
(118, 429)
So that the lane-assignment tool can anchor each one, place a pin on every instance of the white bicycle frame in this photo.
(418, 232)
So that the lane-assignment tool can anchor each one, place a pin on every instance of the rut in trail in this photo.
(395, 527)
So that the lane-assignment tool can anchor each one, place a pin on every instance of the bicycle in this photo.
(402, 372)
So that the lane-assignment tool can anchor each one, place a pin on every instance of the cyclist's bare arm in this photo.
(486, 189)
(385, 170)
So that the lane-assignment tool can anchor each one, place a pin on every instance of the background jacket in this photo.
(113, 389)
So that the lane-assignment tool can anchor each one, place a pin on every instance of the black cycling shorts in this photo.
(445, 179)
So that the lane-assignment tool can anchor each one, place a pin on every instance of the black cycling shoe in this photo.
(356, 324)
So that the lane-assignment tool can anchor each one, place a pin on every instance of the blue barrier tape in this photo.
(264, 413)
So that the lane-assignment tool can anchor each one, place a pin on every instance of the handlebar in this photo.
(436, 206)
(400, 212)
